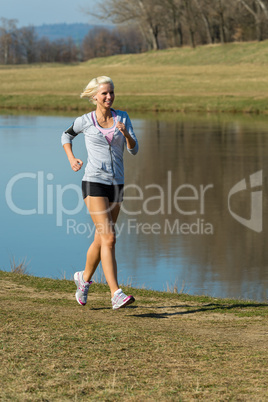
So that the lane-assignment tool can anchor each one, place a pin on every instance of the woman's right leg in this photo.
(94, 251)
(103, 246)
(93, 257)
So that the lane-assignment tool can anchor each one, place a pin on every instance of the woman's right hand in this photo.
(76, 164)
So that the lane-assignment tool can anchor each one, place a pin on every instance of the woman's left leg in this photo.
(94, 251)
(106, 216)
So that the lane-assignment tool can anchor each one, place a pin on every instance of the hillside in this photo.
(212, 78)
(229, 54)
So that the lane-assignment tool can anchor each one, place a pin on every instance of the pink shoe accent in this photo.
(118, 302)
(80, 301)
(82, 288)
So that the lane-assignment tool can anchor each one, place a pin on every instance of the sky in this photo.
(33, 12)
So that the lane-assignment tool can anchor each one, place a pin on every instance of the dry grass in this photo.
(228, 78)
(20, 267)
(164, 347)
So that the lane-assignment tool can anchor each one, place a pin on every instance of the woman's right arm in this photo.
(66, 140)
(75, 163)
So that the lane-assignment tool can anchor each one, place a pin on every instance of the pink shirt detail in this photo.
(107, 132)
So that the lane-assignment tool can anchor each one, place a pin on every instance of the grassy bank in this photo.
(229, 78)
(164, 347)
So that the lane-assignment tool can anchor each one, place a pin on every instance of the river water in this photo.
(194, 215)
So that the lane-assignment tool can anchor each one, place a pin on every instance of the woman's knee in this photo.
(108, 240)
(97, 239)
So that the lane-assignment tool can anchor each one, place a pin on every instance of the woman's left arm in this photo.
(131, 143)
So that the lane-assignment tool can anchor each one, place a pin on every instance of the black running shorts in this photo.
(114, 192)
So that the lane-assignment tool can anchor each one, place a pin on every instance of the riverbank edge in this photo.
(139, 103)
(67, 286)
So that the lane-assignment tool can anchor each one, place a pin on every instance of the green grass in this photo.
(230, 54)
(218, 78)
(164, 347)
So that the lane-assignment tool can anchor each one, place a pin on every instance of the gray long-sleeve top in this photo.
(105, 161)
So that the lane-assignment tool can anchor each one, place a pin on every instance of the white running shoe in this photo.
(121, 300)
(82, 288)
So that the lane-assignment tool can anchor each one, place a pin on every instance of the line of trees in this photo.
(18, 46)
(141, 25)
(168, 23)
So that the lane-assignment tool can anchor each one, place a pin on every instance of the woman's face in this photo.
(105, 96)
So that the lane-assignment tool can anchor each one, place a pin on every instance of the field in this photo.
(212, 78)
(165, 347)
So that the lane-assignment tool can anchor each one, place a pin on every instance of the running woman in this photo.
(107, 132)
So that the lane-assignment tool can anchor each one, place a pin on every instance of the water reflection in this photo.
(175, 226)
(212, 156)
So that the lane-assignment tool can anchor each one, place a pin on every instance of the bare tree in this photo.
(28, 44)
(204, 10)
(146, 13)
(221, 10)
(131, 38)
(65, 50)
(60, 51)
(219, 18)
(259, 10)
(150, 16)
(142, 25)
(101, 42)
(46, 54)
(175, 22)
(8, 35)
(172, 20)
(190, 19)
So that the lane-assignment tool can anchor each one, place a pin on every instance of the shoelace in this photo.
(84, 287)
(118, 297)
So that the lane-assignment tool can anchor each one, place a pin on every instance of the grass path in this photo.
(229, 78)
(164, 347)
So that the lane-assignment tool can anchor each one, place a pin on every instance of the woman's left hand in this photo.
(130, 141)
(122, 128)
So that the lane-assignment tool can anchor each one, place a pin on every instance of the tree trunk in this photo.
(7, 42)
(209, 35)
(154, 35)
(258, 30)
(152, 28)
(5, 54)
(179, 35)
(205, 20)
(222, 23)
(192, 38)
(189, 18)
(263, 7)
(176, 24)
(256, 17)
(222, 29)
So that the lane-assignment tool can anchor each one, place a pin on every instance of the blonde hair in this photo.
(93, 87)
